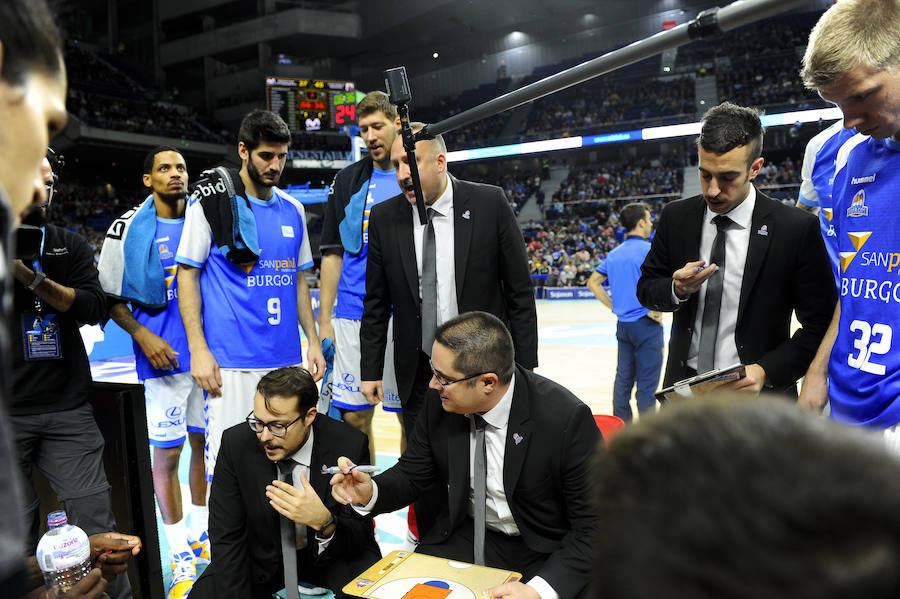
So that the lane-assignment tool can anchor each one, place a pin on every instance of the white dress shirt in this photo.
(497, 515)
(302, 458)
(737, 240)
(444, 246)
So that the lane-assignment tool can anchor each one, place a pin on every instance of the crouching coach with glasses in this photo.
(513, 451)
(271, 514)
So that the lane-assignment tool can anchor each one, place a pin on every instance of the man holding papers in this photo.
(734, 264)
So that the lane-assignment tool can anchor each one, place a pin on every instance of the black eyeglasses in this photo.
(445, 383)
(276, 428)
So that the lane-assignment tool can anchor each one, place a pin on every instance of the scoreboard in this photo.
(312, 104)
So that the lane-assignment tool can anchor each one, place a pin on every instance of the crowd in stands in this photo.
(590, 106)
(774, 35)
(584, 191)
(518, 186)
(766, 82)
(781, 181)
(89, 210)
(102, 96)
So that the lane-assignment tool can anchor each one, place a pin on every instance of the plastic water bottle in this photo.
(63, 553)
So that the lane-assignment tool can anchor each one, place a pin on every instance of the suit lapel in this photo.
(263, 472)
(693, 237)
(518, 434)
(407, 246)
(458, 464)
(320, 456)
(462, 233)
(756, 250)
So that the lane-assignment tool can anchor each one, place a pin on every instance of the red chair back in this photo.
(608, 425)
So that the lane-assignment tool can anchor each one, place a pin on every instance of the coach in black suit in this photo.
(477, 240)
(774, 263)
(539, 445)
(244, 528)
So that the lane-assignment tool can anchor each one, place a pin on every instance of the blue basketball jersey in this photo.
(250, 320)
(165, 322)
(864, 370)
(352, 284)
(818, 177)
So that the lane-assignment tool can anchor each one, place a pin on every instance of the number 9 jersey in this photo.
(250, 320)
(864, 369)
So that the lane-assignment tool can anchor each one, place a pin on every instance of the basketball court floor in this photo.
(577, 348)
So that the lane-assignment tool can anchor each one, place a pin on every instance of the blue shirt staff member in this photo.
(639, 331)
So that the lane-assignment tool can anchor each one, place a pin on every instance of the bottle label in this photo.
(65, 551)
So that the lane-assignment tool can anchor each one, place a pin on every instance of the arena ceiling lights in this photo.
(648, 134)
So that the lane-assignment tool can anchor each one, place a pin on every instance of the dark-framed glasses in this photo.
(444, 383)
(276, 428)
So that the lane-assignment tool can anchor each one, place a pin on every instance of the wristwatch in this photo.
(327, 529)
(39, 277)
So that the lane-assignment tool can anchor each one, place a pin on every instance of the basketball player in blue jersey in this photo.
(853, 60)
(344, 246)
(241, 325)
(818, 176)
(162, 358)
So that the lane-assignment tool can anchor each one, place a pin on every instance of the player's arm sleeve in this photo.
(568, 569)
(331, 236)
(228, 528)
(196, 237)
(304, 257)
(808, 194)
(517, 286)
(814, 299)
(89, 304)
(377, 305)
(654, 288)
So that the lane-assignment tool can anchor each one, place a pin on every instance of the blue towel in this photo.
(350, 227)
(130, 268)
(325, 405)
(221, 194)
(144, 280)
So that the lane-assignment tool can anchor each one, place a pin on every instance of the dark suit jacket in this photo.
(491, 275)
(244, 528)
(546, 475)
(786, 270)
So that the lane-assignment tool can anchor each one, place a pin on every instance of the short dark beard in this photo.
(256, 176)
(36, 217)
(172, 199)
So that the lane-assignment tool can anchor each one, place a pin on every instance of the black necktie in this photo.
(706, 357)
(288, 537)
(429, 285)
(479, 483)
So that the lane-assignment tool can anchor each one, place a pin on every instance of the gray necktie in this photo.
(429, 285)
(288, 537)
(712, 305)
(479, 483)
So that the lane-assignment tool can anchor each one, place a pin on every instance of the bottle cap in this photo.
(55, 519)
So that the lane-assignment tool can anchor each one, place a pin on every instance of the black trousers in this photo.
(413, 404)
(429, 503)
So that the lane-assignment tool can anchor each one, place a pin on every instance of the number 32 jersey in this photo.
(864, 370)
(250, 320)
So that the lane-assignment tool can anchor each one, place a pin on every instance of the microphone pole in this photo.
(397, 85)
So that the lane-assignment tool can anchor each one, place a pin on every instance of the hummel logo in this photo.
(861, 180)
